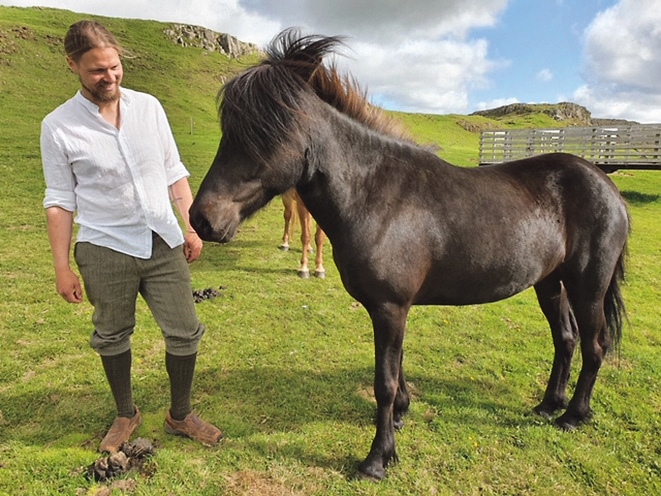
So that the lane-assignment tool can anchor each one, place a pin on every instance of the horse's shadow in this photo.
(279, 399)
(637, 198)
(217, 258)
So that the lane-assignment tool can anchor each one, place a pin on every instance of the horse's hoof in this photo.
(565, 426)
(283, 247)
(320, 274)
(304, 274)
(546, 409)
(374, 474)
(569, 422)
(543, 412)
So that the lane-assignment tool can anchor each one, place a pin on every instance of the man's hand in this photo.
(68, 286)
(192, 246)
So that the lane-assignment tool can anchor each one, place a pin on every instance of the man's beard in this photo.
(102, 96)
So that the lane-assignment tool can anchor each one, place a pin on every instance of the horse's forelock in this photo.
(257, 108)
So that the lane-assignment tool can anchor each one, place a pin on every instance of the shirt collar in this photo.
(125, 99)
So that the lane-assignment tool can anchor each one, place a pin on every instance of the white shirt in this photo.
(116, 180)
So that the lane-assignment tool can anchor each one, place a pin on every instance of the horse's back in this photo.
(578, 205)
(579, 190)
(496, 230)
(586, 191)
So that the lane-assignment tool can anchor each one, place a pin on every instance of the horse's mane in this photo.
(258, 106)
(344, 94)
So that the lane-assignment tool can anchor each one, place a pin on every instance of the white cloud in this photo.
(545, 75)
(623, 62)
(383, 21)
(417, 59)
(422, 57)
(437, 76)
(499, 102)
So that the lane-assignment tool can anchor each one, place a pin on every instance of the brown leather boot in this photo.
(120, 431)
(194, 428)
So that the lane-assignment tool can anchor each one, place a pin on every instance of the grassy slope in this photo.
(286, 366)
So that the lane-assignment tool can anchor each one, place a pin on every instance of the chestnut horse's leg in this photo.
(388, 321)
(305, 218)
(552, 298)
(319, 237)
(288, 203)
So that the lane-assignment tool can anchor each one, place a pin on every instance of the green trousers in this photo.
(112, 282)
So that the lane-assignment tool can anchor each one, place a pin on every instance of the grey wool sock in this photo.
(180, 370)
(118, 373)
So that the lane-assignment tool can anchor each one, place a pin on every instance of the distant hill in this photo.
(565, 113)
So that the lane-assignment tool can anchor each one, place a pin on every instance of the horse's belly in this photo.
(469, 294)
(459, 285)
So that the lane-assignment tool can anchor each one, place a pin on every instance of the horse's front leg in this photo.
(402, 399)
(389, 323)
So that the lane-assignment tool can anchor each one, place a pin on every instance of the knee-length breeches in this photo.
(113, 281)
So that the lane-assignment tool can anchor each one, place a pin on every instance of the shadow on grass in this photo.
(636, 198)
(250, 256)
(258, 401)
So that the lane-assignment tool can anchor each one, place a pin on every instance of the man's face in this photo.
(100, 73)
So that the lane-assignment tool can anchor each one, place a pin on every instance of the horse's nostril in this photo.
(201, 224)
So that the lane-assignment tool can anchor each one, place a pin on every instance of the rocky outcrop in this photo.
(565, 111)
(188, 35)
(613, 122)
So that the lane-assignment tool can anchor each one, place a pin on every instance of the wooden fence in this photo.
(618, 147)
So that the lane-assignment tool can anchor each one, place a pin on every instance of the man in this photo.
(109, 155)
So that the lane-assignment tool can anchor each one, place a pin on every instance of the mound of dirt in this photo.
(129, 457)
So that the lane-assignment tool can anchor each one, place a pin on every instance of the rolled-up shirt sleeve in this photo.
(58, 174)
(174, 167)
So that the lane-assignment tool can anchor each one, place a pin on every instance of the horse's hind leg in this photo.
(552, 298)
(288, 214)
(595, 340)
(319, 237)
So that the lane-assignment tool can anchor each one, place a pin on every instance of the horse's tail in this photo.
(614, 304)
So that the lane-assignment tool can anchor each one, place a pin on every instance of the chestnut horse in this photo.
(408, 228)
(294, 207)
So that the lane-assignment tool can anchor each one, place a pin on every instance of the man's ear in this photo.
(72, 65)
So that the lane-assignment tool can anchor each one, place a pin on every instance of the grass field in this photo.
(286, 366)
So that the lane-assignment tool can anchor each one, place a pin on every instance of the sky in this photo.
(454, 56)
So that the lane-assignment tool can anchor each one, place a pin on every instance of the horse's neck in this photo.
(348, 164)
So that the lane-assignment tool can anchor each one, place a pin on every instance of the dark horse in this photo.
(408, 228)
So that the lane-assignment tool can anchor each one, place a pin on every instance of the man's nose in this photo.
(109, 76)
